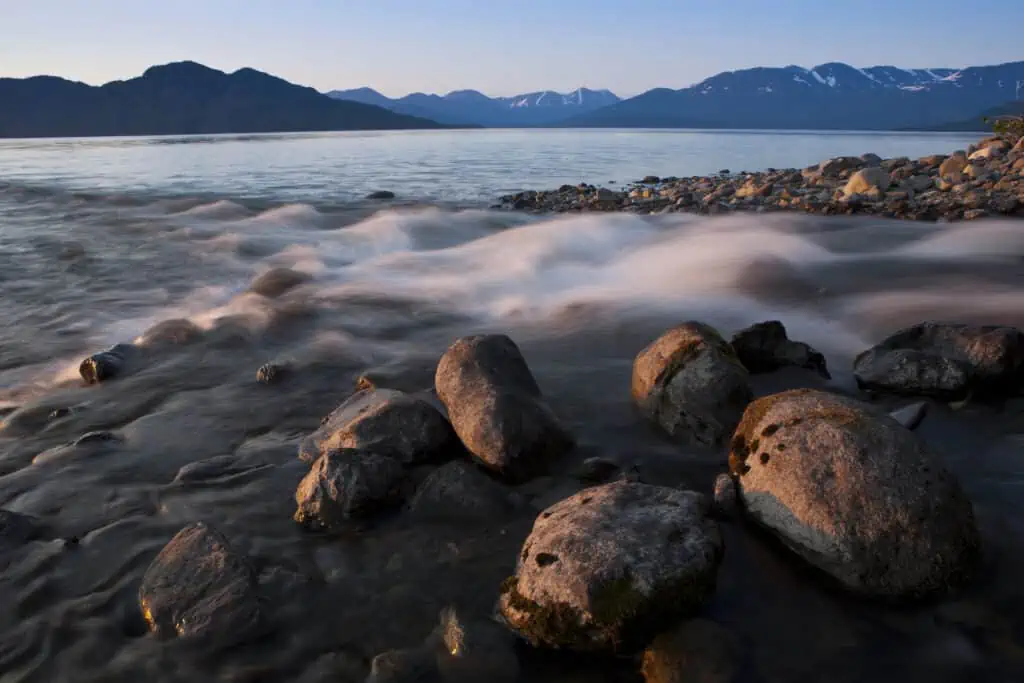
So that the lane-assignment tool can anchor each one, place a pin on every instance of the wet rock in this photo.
(345, 484)
(910, 416)
(272, 373)
(472, 651)
(199, 586)
(866, 180)
(277, 281)
(596, 470)
(381, 194)
(211, 468)
(607, 568)
(107, 365)
(414, 665)
(698, 651)
(690, 383)
(765, 347)
(496, 407)
(725, 495)
(16, 529)
(459, 491)
(945, 361)
(853, 493)
(170, 333)
(387, 422)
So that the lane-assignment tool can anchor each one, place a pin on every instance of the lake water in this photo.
(101, 239)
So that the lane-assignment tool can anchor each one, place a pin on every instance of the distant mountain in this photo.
(830, 96)
(179, 99)
(977, 122)
(469, 106)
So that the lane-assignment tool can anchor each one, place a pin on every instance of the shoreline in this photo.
(985, 180)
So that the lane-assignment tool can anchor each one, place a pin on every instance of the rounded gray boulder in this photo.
(344, 484)
(199, 586)
(607, 568)
(460, 491)
(854, 493)
(387, 422)
(691, 384)
(946, 361)
(496, 406)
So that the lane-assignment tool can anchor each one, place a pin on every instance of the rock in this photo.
(199, 586)
(690, 383)
(918, 183)
(865, 180)
(381, 194)
(853, 493)
(986, 153)
(651, 180)
(458, 491)
(415, 665)
(698, 651)
(870, 159)
(272, 373)
(725, 495)
(946, 361)
(894, 163)
(345, 484)
(170, 333)
(387, 422)
(496, 407)
(276, 281)
(833, 167)
(16, 529)
(954, 165)
(474, 651)
(910, 416)
(108, 364)
(596, 470)
(607, 568)
(752, 188)
(765, 347)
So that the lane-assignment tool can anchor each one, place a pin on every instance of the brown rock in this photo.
(952, 166)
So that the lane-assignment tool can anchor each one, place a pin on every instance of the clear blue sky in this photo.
(500, 47)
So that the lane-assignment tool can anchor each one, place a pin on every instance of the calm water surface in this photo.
(101, 239)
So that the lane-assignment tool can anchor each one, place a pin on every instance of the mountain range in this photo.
(189, 98)
(179, 99)
(830, 96)
(540, 108)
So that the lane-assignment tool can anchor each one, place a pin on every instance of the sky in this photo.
(500, 47)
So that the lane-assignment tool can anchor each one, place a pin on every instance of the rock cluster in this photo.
(984, 180)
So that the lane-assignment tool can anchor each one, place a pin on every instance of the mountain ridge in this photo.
(182, 98)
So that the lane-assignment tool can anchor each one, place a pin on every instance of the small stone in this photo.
(271, 373)
(910, 416)
(107, 364)
(381, 194)
(596, 470)
(725, 495)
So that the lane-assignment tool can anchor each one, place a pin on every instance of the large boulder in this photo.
(854, 493)
(496, 406)
(607, 568)
(690, 383)
(946, 361)
(387, 422)
(346, 484)
(199, 586)
(867, 179)
(766, 347)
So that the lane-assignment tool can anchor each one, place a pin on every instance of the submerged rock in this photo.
(199, 586)
(16, 529)
(347, 483)
(725, 495)
(387, 422)
(607, 568)
(698, 651)
(170, 333)
(413, 665)
(108, 364)
(474, 651)
(853, 493)
(277, 281)
(765, 347)
(910, 416)
(272, 373)
(381, 194)
(496, 406)
(690, 383)
(459, 491)
(946, 361)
